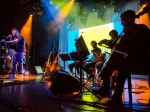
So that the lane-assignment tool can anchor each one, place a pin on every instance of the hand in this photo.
(102, 42)
(3, 40)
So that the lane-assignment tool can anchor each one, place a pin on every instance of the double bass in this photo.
(122, 43)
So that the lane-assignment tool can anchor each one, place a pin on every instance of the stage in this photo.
(30, 93)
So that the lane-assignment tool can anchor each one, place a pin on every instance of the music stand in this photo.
(83, 51)
(65, 57)
(75, 56)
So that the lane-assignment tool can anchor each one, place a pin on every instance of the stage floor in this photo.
(30, 92)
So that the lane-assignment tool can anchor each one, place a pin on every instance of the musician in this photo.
(137, 46)
(16, 50)
(88, 67)
(113, 34)
(75, 64)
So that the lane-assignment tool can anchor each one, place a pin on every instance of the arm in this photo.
(98, 56)
(12, 41)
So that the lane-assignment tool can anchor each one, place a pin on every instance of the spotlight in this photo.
(143, 2)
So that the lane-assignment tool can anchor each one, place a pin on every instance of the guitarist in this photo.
(136, 43)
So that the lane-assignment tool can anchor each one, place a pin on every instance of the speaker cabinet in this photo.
(64, 83)
(36, 70)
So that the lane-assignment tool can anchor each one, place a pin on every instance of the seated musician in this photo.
(113, 34)
(136, 43)
(88, 67)
(75, 65)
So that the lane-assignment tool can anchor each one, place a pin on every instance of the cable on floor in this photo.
(18, 108)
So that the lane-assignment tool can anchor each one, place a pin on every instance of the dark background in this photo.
(14, 13)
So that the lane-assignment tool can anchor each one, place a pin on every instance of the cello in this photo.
(122, 43)
(55, 63)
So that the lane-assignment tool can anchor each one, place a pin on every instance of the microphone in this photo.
(8, 36)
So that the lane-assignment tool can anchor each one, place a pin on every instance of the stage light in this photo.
(83, 18)
(143, 2)
(116, 9)
(26, 72)
(26, 31)
(101, 15)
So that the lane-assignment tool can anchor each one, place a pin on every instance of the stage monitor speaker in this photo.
(36, 70)
(64, 83)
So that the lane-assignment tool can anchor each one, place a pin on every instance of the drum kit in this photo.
(5, 60)
(5, 63)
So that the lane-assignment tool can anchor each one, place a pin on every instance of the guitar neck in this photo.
(49, 57)
(57, 55)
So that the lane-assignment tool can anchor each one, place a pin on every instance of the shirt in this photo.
(19, 46)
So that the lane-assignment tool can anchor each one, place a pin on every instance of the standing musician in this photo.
(136, 43)
(16, 50)
(95, 58)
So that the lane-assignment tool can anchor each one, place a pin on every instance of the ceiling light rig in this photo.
(83, 15)
(117, 9)
(101, 15)
(83, 18)
(31, 7)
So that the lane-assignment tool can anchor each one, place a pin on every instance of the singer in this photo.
(16, 50)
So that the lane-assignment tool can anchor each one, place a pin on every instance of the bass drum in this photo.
(6, 61)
